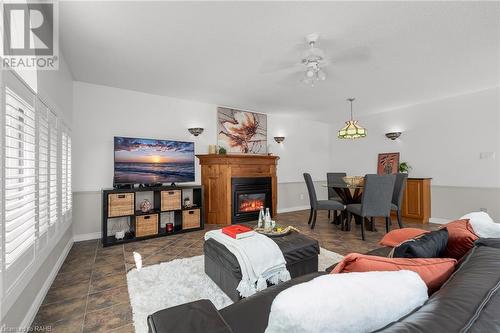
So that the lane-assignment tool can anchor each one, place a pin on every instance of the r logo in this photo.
(28, 29)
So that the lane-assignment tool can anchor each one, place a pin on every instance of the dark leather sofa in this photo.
(468, 302)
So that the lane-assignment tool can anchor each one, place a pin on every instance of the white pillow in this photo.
(347, 302)
(483, 225)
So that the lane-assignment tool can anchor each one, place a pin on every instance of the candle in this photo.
(212, 149)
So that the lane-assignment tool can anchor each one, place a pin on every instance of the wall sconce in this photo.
(195, 130)
(393, 135)
(279, 139)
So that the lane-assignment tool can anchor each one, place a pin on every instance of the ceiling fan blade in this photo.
(355, 54)
(291, 79)
(270, 67)
(314, 52)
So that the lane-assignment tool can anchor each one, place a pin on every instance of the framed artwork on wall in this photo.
(241, 132)
(388, 163)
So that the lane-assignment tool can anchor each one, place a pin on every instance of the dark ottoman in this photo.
(197, 316)
(300, 252)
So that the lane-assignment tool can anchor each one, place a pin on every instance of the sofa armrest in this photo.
(198, 316)
(491, 242)
(380, 252)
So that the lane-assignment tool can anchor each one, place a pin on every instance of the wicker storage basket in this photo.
(120, 204)
(146, 225)
(191, 219)
(171, 200)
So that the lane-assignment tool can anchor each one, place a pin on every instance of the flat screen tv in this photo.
(151, 161)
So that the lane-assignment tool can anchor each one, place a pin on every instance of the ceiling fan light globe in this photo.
(321, 75)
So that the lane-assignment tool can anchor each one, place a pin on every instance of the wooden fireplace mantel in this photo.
(216, 174)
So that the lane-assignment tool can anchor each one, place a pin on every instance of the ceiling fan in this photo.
(314, 61)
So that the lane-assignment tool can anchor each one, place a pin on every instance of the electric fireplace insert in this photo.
(249, 195)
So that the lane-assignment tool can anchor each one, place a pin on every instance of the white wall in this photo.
(441, 139)
(306, 147)
(56, 87)
(102, 112)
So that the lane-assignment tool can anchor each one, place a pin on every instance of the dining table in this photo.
(351, 194)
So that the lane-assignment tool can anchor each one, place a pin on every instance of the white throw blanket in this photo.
(260, 260)
(347, 302)
(483, 224)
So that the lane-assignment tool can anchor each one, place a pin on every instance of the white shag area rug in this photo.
(179, 281)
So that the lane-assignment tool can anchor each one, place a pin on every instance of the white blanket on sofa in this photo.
(260, 260)
(483, 224)
(347, 302)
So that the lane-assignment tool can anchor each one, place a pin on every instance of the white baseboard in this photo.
(97, 235)
(84, 237)
(439, 220)
(37, 302)
(293, 209)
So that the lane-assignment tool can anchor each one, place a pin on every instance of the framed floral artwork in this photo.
(241, 132)
(388, 163)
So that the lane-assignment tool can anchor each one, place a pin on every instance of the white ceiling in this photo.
(385, 54)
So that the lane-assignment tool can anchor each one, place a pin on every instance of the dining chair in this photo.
(397, 195)
(318, 204)
(376, 201)
(333, 178)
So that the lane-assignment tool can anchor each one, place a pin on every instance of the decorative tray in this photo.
(277, 231)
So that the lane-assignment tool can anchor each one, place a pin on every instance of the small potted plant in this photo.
(404, 167)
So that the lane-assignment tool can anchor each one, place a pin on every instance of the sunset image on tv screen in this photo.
(150, 161)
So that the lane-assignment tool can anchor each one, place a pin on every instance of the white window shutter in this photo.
(64, 172)
(20, 176)
(69, 174)
(53, 158)
(43, 168)
(35, 180)
(66, 196)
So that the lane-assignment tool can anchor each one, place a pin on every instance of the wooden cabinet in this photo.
(417, 200)
(216, 174)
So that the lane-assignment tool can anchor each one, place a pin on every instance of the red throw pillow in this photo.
(434, 271)
(461, 238)
(398, 236)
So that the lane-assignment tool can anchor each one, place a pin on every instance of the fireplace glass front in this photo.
(249, 195)
(251, 202)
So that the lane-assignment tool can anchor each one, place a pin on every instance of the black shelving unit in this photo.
(196, 202)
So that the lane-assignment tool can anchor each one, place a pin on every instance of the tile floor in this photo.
(89, 294)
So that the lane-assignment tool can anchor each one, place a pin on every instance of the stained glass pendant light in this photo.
(351, 130)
